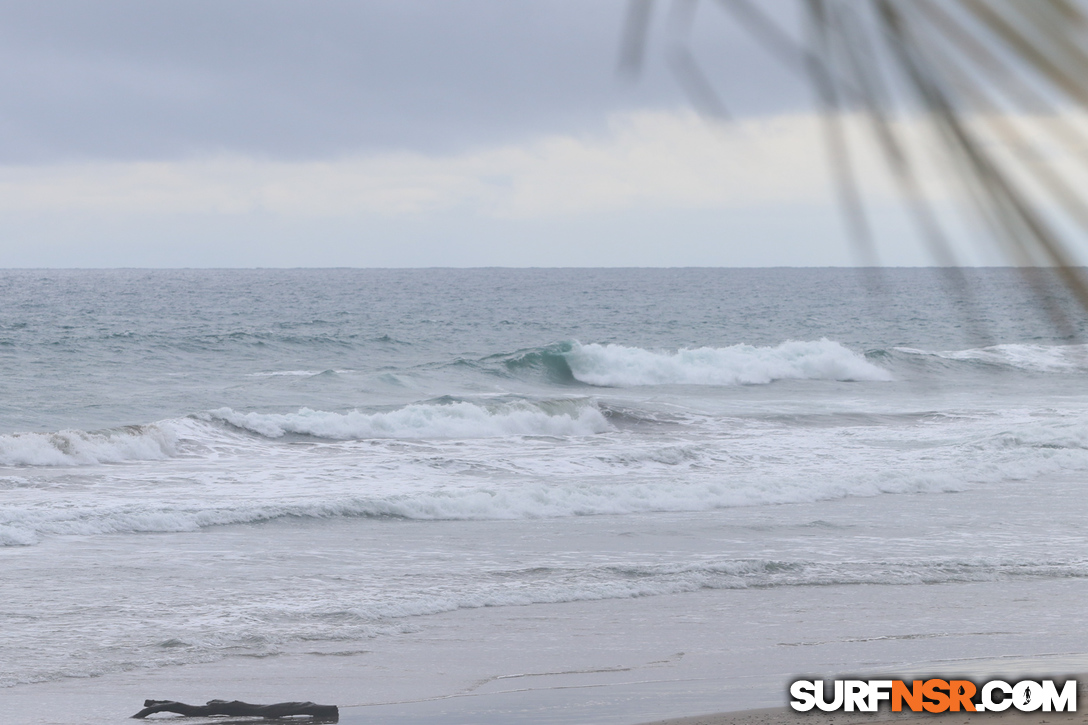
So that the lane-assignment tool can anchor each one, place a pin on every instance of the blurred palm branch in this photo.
(999, 87)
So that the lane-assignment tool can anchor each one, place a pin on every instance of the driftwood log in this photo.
(237, 708)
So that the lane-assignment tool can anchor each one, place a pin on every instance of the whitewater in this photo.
(208, 472)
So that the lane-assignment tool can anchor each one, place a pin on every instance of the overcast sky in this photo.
(206, 133)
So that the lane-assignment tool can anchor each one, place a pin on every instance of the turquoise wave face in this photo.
(548, 363)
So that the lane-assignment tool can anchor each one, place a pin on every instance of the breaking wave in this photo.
(457, 419)
(621, 366)
(77, 447)
(436, 420)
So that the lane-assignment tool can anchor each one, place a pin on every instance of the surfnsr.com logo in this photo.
(935, 696)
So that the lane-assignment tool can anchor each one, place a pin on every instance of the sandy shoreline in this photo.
(571, 664)
(786, 716)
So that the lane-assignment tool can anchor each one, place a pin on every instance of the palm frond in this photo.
(999, 89)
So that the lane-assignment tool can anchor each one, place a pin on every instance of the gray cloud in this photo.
(136, 79)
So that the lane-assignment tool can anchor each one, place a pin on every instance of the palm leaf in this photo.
(996, 85)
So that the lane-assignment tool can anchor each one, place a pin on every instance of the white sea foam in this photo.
(222, 476)
(294, 373)
(80, 448)
(452, 420)
(18, 535)
(25, 525)
(1034, 358)
(620, 366)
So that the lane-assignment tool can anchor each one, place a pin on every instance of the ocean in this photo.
(538, 495)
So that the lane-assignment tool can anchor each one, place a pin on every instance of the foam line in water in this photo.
(621, 366)
(1033, 358)
(24, 525)
(295, 373)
